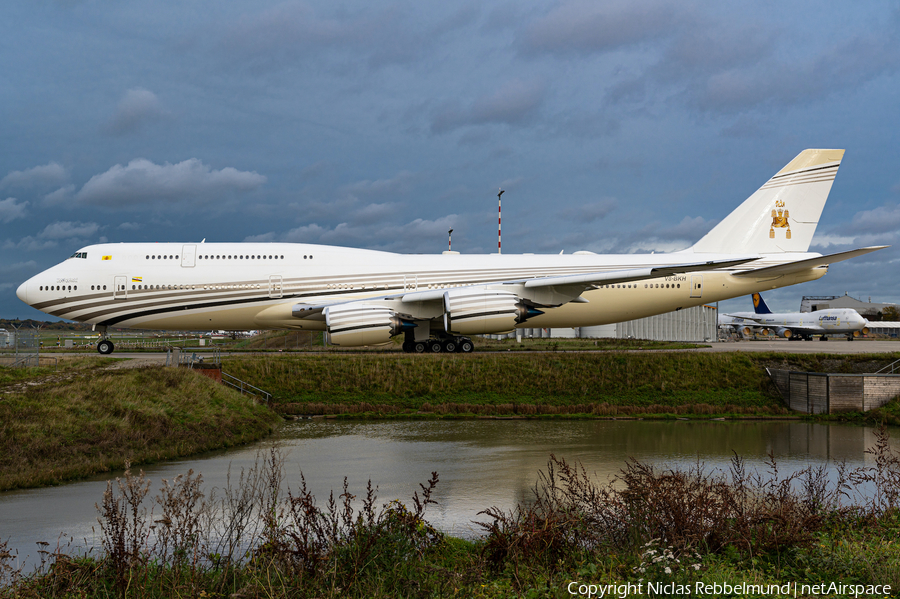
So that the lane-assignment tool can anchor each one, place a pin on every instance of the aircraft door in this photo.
(276, 286)
(696, 285)
(120, 290)
(188, 255)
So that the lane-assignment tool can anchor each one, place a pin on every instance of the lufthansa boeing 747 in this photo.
(797, 325)
(365, 297)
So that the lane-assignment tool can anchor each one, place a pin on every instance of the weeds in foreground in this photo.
(679, 514)
(260, 538)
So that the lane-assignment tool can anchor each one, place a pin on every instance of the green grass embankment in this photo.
(527, 384)
(74, 423)
(536, 384)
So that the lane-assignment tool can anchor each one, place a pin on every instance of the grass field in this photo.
(66, 423)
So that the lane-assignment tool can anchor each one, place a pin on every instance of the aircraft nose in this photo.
(22, 292)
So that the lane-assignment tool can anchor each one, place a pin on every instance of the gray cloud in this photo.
(142, 181)
(582, 26)
(417, 235)
(68, 230)
(60, 196)
(884, 219)
(730, 68)
(783, 83)
(11, 209)
(513, 103)
(291, 33)
(401, 184)
(136, 108)
(25, 266)
(592, 211)
(711, 62)
(48, 175)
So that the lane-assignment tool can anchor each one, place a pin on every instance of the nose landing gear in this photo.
(104, 346)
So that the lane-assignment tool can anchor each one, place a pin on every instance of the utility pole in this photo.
(499, 219)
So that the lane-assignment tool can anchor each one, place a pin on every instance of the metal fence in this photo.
(22, 348)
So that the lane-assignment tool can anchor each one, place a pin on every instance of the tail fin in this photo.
(782, 215)
(759, 305)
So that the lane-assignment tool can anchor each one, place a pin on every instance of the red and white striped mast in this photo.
(499, 219)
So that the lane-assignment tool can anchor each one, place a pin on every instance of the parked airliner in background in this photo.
(365, 297)
(796, 325)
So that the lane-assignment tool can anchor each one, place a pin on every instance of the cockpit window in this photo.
(79, 255)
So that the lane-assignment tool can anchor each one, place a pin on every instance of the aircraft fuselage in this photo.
(238, 286)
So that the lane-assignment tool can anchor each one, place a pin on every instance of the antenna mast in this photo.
(499, 219)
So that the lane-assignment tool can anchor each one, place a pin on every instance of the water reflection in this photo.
(481, 463)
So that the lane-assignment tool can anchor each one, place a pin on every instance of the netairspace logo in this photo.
(717, 589)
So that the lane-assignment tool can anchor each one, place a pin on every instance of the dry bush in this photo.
(252, 526)
(123, 525)
(679, 508)
(342, 543)
(9, 574)
(884, 475)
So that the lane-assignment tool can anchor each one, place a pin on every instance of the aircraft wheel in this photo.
(419, 347)
(466, 347)
(449, 346)
(408, 347)
(105, 347)
(435, 347)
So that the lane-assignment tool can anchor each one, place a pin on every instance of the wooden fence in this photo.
(825, 393)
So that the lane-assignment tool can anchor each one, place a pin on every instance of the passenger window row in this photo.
(646, 285)
(225, 257)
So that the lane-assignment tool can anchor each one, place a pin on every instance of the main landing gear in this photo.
(436, 346)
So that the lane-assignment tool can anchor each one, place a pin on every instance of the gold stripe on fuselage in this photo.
(605, 306)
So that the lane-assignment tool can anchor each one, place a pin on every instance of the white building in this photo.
(697, 324)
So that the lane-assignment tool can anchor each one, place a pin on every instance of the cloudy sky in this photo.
(613, 126)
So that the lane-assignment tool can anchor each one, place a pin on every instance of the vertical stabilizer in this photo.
(759, 305)
(782, 215)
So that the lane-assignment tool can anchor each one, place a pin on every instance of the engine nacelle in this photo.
(477, 311)
(363, 324)
(783, 332)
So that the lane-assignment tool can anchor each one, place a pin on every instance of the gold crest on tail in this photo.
(780, 220)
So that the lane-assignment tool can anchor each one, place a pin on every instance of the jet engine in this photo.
(477, 311)
(783, 332)
(363, 324)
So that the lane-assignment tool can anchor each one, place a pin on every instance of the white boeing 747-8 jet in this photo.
(797, 325)
(365, 297)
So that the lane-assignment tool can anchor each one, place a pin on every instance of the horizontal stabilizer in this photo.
(801, 265)
(745, 317)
